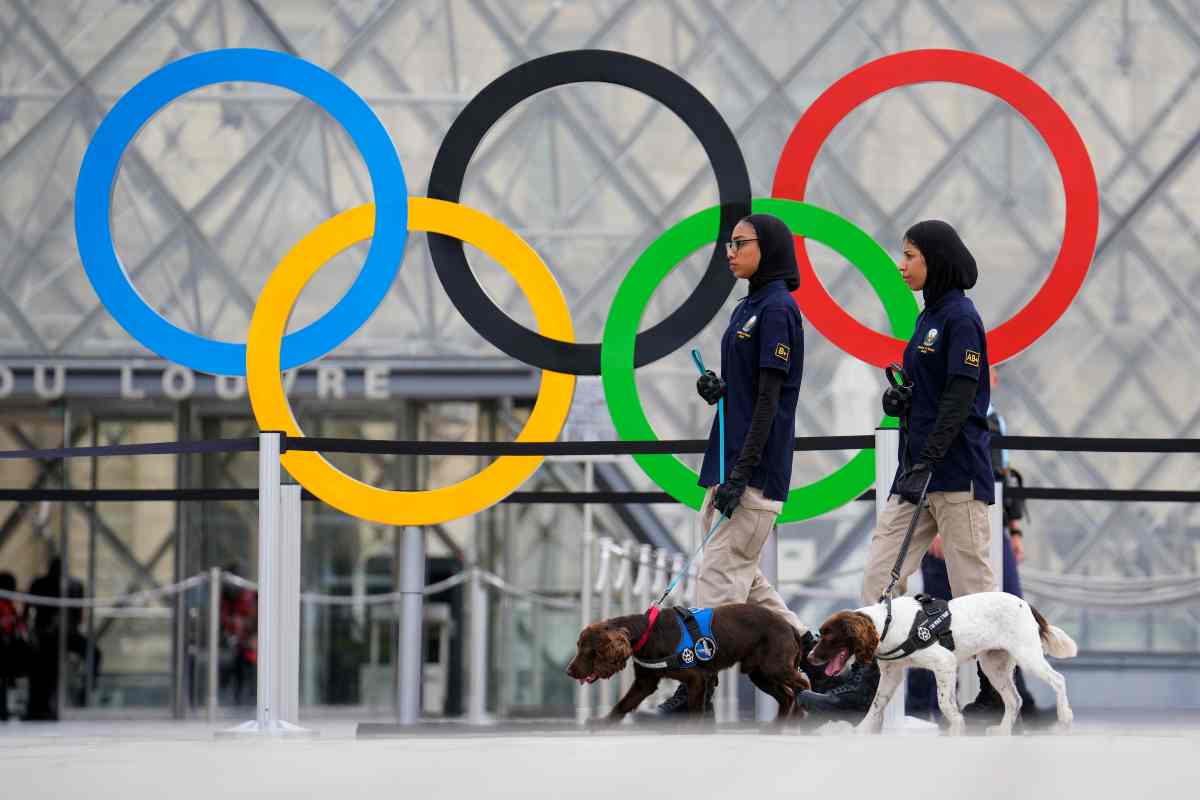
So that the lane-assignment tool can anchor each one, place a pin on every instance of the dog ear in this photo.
(615, 649)
(864, 639)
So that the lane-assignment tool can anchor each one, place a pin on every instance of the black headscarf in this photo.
(778, 249)
(949, 263)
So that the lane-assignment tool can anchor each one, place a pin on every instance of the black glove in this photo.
(912, 482)
(729, 494)
(897, 400)
(710, 387)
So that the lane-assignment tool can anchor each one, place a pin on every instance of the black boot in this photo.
(677, 704)
(988, 703)
(851, 700)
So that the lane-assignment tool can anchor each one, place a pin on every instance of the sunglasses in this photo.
(733, 245)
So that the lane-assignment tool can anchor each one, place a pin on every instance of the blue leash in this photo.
(721, 518)
(720, 412)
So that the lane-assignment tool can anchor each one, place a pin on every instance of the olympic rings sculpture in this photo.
(552, 347)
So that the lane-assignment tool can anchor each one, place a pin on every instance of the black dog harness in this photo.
(932, 623)
(697, 644)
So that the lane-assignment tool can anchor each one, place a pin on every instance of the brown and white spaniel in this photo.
(1001, 629)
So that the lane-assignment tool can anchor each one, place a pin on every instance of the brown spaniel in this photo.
(765, 644)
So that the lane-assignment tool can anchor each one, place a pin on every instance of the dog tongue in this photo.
(836, 664)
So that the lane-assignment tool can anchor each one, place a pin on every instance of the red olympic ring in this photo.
(996, 78)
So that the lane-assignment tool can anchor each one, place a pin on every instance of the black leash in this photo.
(896, 377)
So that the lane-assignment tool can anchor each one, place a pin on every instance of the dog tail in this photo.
(1055, 640)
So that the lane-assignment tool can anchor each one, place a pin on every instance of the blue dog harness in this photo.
(697, 645)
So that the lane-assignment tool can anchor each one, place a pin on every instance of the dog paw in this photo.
(999, 730)
(958, 728)
(836, 727)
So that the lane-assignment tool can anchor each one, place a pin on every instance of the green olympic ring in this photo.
(664, 255)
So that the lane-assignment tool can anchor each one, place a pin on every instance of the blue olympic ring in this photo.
(98, 172)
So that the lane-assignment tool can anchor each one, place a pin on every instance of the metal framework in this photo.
(223, 182)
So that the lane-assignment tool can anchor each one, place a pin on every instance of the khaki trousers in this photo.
(729, 572)
(958, 517)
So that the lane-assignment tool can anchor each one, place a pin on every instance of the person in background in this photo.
(44, 667)
(239, 628)
(14, 642)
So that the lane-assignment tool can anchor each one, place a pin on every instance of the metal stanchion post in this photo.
(968, 673)
(272, 565)
(287, 639)
(410, 650)
(477, 677)
(996, 543)
(604, 586)
(583, 692)
(624, 584)
(214, 639)
(887, 460)
(268, 537)
(644, 578)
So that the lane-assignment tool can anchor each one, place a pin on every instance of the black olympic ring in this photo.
(579, 66)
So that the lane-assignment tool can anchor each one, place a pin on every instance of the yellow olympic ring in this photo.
(270, 402)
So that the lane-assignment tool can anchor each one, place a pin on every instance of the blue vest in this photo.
(697, 645)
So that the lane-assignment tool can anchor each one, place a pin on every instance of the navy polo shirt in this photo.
(765, 332)
(949, 340)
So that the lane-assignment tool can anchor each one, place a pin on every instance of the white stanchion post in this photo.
(272, 566)
(968, 672)
(624, 584)
(477, 676)
(996, 543)
(604, 586)
(887, 460)
(644, 578)
(642, 588)
(269, 445)
(765, 707)
(214, 639)
(287, 639)
(412, 600)
(583, 691)
(677, 572)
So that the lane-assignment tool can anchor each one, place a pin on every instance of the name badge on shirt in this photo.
(744, 333)
(971, 359)
(927, 345)
(782, 352)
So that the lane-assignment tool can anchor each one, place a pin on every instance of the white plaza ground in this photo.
(1125, 759)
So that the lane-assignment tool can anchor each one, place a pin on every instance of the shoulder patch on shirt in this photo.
(783, 352)
(971, 359)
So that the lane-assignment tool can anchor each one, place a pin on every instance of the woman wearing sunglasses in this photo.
(762, 359)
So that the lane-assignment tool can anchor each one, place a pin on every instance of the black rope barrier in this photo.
(601, 448)
(145, 449)
(1095, 444)
(557, 497)
(669, 446)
